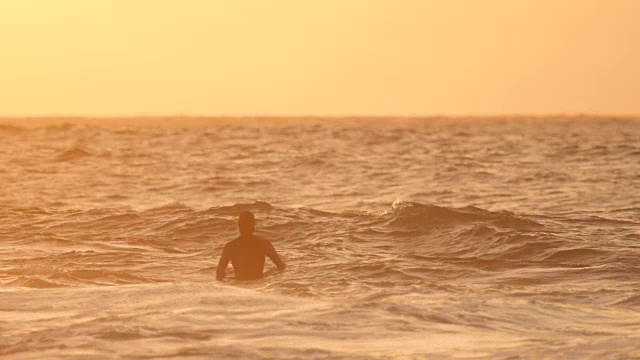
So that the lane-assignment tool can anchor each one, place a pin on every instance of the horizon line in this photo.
(324, 116)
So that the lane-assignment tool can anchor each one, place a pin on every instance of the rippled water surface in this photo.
(404, 238)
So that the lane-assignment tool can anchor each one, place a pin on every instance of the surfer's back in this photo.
(247, 252)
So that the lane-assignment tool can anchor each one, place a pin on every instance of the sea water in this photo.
(404, 238)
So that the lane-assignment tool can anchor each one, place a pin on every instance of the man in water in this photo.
(247, 252)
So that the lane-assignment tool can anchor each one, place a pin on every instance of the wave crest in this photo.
(416, 215)
(257, 206)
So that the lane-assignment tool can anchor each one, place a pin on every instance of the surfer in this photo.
(247, 252)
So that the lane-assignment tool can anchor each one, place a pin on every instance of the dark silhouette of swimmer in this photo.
(247, 252)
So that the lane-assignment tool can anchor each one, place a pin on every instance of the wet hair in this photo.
(246, 221)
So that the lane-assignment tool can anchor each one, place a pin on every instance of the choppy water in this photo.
(438, 238)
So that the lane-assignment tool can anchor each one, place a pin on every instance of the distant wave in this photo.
(33, 282)
(11, 129)
(73, 154)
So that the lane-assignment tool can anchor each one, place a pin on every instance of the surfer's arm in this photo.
(222, 264)
(273, 255)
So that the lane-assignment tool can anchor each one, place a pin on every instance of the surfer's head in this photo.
(246, 223)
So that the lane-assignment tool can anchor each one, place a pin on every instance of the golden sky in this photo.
(329, 57)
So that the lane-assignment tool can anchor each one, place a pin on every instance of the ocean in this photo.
(437, 238)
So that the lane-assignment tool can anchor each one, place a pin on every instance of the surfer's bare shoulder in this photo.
(271, 252)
